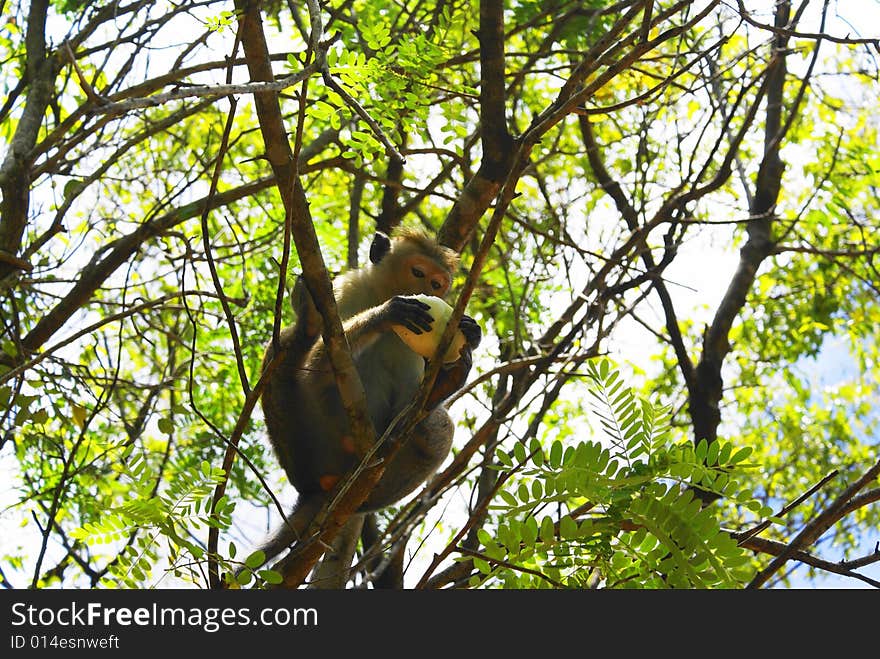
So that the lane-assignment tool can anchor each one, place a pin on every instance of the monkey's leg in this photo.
(420, 456)
(333, 570)
(391, 575)
(424, 451)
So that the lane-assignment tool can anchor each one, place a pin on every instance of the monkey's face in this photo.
(422, 274)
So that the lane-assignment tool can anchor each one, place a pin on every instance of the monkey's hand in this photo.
(409, 313)
(472, 332)
(450, 378)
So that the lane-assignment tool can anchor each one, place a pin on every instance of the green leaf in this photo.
(255, 559)
(568, 528)
(724, 453)
(702, 448)
(509, 499)
(537, 490)
(530, 531)
(482, 565)
(712, 454)
(741, 454)
(270, 577)
(484, 537)
(556, 454)
(72, 188)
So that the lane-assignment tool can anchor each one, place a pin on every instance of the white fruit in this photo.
(426, 343)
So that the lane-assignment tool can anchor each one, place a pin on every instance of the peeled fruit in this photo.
(426, 343)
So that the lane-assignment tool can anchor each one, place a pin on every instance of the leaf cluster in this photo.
(627, 512)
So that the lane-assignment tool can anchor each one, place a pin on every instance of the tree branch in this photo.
(817, 526)
(498, 145)
(299, 562)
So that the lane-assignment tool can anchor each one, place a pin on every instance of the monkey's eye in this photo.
(436, 285)
(418, 273)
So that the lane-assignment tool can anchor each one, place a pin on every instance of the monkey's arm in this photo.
(363, 329)
(308, 320)
(296, 340)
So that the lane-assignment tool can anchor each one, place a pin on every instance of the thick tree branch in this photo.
(15, 178)
(281, 158)
(706, 394)
(42, 69)
(213, 92)
(106, 261)
(390, 215)
(498, 145)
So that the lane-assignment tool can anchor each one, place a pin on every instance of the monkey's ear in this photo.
(380, 246)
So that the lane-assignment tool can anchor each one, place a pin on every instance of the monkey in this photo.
(306, 422)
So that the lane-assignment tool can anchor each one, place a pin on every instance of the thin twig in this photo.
(745, 535)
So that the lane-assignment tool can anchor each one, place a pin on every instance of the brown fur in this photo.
(307, 424)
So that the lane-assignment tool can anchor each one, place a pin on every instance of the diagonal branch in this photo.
(630, 216)
(284, 165)
(778, 549)
(817, 526)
